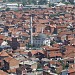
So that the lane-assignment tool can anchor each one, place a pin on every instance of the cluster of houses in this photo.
(53, 35)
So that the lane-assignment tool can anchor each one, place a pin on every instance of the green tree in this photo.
(24, 2)
(4, 0)
(39, 66)
(7, 9)
(11, 0)
(42, 2)
(34, 2)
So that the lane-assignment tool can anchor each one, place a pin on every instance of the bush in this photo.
(39, 66)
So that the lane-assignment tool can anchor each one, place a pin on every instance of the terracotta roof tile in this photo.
(1, 36)
(36, 51)
(52, 54)
(50, 48)
(3, 73)
(71, 70)
(3, 53)
(12, 70)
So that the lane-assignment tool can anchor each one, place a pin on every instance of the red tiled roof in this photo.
(36, 51)
(71, 70)
(3, 53)
(52, 54)
(3, 73)
(50, 48)
(1, 36)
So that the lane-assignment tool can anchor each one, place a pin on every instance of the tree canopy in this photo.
(29, 1)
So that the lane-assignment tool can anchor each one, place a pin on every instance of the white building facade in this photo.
(41, 40)
(14, 6)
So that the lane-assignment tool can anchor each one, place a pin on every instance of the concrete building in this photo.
(41, 39)
(13, 6)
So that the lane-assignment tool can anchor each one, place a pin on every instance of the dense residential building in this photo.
(38, 41)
